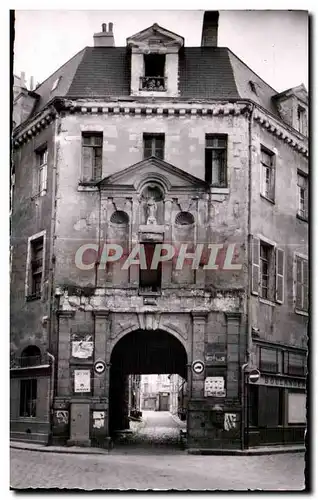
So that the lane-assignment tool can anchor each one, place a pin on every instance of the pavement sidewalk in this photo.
(264, 450)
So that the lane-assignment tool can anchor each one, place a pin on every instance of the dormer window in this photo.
(154, 79)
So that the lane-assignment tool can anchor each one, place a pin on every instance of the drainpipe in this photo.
(249, 276)
(52, 382)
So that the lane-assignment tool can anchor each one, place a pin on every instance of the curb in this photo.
(250, 452)
(66, 450)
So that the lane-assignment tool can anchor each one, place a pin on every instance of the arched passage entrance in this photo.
(141, 352)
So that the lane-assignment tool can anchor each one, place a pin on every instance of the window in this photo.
(302, 186)
(268, 269)
(301, 299)
(301, 120)
(154, 145)
(150, 279)
(92, 156)
(154, 76)
(28, 390)
(268, 360)
(41, 181)
(31, 356)
(294, 364)
(215, 160)
(267, 175)
(36, 266)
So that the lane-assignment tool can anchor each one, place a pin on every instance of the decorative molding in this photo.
(233, 316)
(35, 127)
(102, 313)
(65, 314)
(149, 320)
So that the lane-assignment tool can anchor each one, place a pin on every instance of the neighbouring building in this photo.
(124, 149)
(160, 392)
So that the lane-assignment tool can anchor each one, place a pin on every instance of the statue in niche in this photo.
(151, 211)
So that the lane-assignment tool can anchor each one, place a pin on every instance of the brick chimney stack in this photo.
(210, 29)
(106, 37)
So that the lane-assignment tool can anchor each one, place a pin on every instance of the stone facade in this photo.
(85, 314)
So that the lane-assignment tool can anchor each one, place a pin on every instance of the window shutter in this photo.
(305, 285)
(280, 275)
(255, 265)
(208, 165)
(87, 157)
(98, 164)
(299, 287)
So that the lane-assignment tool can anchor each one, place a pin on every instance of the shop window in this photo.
(216, 160)
(268, 360)
(92, 156)
(28, 392)
(294, 364)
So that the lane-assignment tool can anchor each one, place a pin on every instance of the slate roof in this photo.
(204, 73)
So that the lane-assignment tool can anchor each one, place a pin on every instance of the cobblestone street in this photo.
(150, 458)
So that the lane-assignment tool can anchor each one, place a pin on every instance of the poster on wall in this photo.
(296, 408)
(98, 419)
(214, 386)
(82, 349)
(82, 380)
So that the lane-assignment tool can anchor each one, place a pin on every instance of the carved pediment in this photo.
(152, 169)
(155, 38)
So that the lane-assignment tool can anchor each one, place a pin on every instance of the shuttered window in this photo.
(28, 394)
(301, 288)
(267, 174)
(302, 186)
(36, 266)
(294, 364)
(216, 160)
(280, 264)
(268, 270)
(92, 156)
(268, 360)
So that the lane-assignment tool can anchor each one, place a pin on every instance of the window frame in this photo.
(222, 182)
(304, 215)
(93, 148)
(29, 294)
(144, 289)
(301, 119)
(287, 367)
(41, 155)
(153, 137)
(25, 400)
(270, 195)
(260, 348)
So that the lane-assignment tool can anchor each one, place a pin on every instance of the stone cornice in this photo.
(162, 108)
(275, 127)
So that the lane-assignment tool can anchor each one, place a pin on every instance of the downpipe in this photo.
(51, 395)
(243, 409)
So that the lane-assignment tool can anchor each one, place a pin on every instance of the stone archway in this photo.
(141, 352)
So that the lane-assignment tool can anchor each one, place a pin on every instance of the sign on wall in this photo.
(98, 419)
(215, 353)
(82, 381)
(230, 421)
(82, 349)
(214, 386)
(61, 416)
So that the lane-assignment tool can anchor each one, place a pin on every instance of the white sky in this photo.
(273, 43)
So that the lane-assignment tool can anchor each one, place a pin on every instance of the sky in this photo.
(273, 43)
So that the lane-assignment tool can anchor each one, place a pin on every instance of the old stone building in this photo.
(181, 155)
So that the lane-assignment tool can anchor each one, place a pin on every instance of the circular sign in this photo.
(254, 375)
(198, 366)
(100, 367)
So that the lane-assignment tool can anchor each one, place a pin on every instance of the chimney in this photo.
(32, 83)
(210, 28)
(106, 37)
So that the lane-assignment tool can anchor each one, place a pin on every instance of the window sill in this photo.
(301, 313)
(149, 294)
(267, 301)
(35, 296)
(219, 190)
(87, 186)
(267, 199)
(300, 217)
